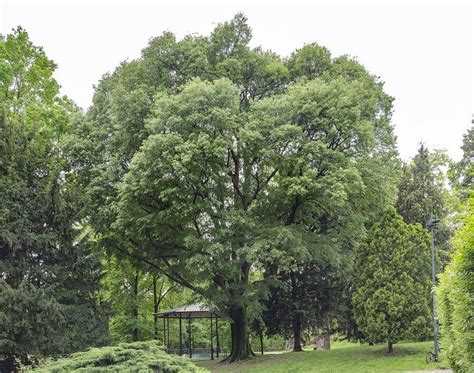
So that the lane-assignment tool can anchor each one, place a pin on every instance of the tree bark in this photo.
(327, 332)
(135, 308)
(318, 339)
(390, 347)
(155, 309)
(241, 349)
(297, 333)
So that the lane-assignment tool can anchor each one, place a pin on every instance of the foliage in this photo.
(392, 281)
(307, 298)
(29, 320)
(130, 293)
(456, 298)
(309, 62)
(461, 173)
(40, 253)
(129, 357)
(209, 180)
(422, 195)
(220, 172)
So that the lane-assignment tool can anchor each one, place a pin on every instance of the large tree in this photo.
(233, 171)
(392, 281)
(47, 276)
(216, 194)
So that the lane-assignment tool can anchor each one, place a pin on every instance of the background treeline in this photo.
(210, 171)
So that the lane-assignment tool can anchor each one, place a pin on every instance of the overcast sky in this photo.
(423, 51)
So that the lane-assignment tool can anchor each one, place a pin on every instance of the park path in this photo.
(430, 371)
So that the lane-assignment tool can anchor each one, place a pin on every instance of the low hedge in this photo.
(125, 357)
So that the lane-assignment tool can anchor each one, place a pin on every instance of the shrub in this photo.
(126, 357)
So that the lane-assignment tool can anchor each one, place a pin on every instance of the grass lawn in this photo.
(342, 358)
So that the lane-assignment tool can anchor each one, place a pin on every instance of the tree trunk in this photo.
(135, 309)
(390, 347)
(155, 309)
(327, 332)
(318, 339)
(297, 333)
(241, 349)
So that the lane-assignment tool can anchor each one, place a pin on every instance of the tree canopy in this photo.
(239, 174)
(207, 170)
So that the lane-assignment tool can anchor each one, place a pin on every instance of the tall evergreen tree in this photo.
(47, 280)
(392, 281)
(461, 173)
(422, 195)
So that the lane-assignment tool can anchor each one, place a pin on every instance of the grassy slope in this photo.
(343, 358)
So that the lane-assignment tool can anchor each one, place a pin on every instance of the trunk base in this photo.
(241, 349)
(390, 347)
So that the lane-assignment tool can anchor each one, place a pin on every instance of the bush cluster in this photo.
(126, 357)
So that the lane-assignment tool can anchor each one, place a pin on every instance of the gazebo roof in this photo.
(193, 311)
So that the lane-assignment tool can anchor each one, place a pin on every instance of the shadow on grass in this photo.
(397, 351)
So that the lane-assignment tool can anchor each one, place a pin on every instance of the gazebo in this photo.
(188, 313)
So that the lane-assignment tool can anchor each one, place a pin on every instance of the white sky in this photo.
(422, 50)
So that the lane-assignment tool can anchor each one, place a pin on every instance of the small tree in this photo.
(392, 296)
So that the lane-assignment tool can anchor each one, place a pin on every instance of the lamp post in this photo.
(431, 224)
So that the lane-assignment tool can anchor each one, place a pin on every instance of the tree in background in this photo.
(304, 299)
(134, 295)
(392, 281)
(422, 194)
(48, 279)
(461, 173)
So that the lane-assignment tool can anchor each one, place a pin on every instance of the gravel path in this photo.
(431, 371)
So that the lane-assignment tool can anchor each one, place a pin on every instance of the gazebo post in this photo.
(218, 348)
(189, 312)
(168, 332)
(180, 335)
(164, 332)
(212, 347)
(190, 337)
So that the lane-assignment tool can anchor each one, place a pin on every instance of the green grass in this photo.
(344, 357)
